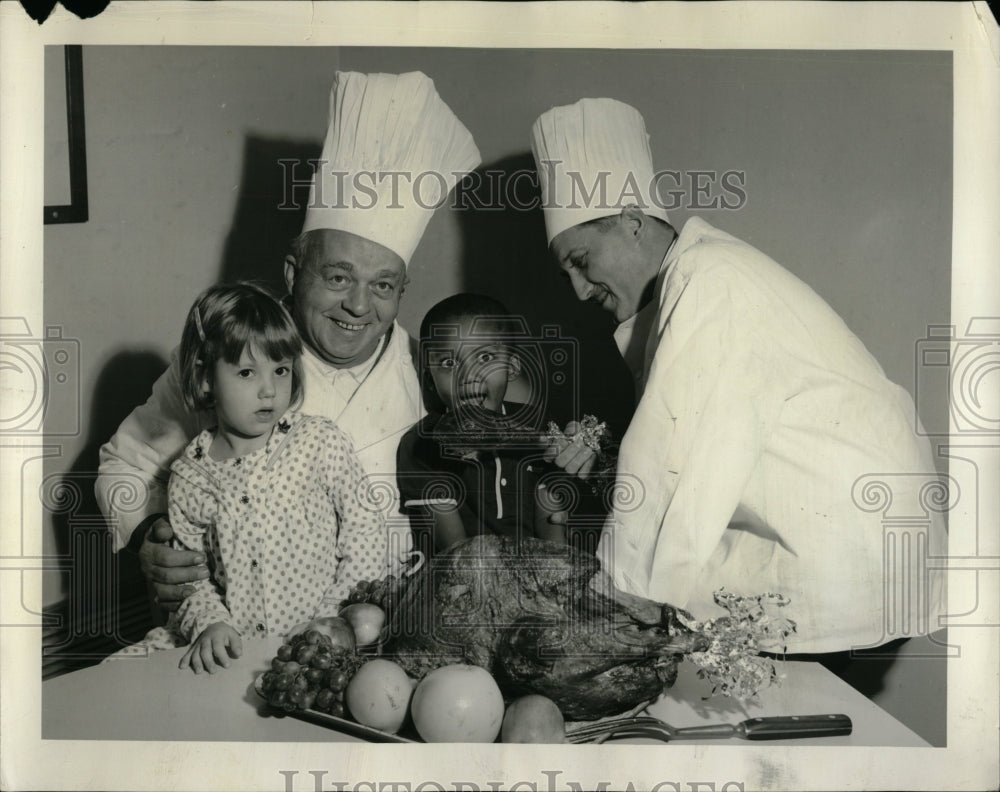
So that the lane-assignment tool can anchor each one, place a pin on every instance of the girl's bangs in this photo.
(269, 333)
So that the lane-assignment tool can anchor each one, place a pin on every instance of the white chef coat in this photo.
(760, 410)
(375, 404)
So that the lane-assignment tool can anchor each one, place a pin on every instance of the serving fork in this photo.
(781, 727)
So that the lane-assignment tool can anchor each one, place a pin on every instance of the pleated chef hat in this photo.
(392, 153)
(593, 159)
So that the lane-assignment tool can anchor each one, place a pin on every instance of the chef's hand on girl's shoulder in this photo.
(214, 648)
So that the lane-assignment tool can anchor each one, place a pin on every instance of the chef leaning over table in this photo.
(345, 278)
(758, 408)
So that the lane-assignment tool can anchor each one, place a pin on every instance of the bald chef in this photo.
(761, 416)
(368, 208)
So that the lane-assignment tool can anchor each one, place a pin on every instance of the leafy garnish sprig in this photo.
(596, 436)
(732, 663)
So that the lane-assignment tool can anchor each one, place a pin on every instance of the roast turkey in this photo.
(542, 618)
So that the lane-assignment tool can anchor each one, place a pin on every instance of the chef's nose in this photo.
(357, 300)
(581, 285)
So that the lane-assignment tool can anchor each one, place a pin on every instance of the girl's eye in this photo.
(245, 373)
(283, 371)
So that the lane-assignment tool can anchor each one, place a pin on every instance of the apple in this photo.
(366, 619)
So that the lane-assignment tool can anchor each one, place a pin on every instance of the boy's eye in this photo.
(485, 357)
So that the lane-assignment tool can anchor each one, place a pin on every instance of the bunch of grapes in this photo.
(310, 672)
(385, 592)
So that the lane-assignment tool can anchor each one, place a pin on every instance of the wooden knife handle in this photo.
(786, 727)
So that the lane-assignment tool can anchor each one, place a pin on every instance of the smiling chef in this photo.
(345, 277)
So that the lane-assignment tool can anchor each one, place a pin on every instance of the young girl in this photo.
(473, 464)
(275, 499)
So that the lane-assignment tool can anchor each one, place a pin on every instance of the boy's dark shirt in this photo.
(430, 469)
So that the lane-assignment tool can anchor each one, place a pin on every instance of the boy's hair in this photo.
(449, 312)
(452, 310)
(227, 319)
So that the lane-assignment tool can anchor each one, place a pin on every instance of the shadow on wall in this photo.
(273, 195)
(106, 606)
(506, 256)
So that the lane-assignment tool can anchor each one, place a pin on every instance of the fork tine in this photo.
(625, 731)
(600, 727)
(603, 730)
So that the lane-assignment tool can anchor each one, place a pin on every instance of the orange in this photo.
(378, 695)
(458, 703)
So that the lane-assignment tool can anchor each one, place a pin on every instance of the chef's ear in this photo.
(633, 221)
(513, 368)
(291, 270)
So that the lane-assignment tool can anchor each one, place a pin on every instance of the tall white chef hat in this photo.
(593, 159)
(392, 153)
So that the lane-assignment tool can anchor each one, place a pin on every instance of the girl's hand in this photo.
(216, 644)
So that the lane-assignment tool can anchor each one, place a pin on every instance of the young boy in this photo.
(474, 463)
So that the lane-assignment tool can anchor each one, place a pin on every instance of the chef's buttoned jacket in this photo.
(763, 425)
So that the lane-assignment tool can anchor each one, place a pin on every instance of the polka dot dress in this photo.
(288, 530)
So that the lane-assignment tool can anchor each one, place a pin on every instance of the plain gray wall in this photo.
(847, 159)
